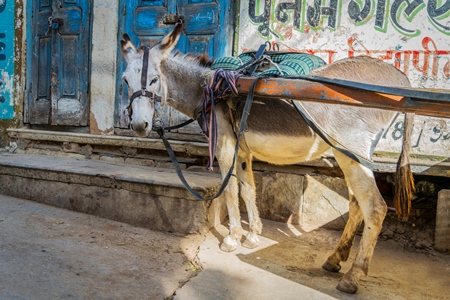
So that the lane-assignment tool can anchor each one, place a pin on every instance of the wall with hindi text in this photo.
(412, 35)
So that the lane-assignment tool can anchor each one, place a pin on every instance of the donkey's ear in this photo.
(169, 41)
(127, 46)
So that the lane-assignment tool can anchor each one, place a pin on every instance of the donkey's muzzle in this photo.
(140, 126)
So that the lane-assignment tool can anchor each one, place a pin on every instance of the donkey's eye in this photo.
(154, 80)
(126, 81)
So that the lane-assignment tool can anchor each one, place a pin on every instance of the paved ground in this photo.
(51, 253)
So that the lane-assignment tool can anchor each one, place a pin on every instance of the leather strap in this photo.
(242, 126)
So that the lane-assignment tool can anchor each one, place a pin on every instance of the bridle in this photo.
(128, 111)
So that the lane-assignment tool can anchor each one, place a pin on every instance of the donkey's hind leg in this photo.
(373, 208)
(342, 250)
(248, 194)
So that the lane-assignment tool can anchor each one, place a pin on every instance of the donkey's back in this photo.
(279, 135)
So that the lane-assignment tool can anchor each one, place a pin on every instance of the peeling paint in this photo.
(6, 84)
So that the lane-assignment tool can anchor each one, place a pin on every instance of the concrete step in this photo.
(148, 197)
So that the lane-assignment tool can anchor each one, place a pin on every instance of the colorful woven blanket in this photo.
(289, 63)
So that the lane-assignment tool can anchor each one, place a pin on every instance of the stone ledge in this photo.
(134, 178)
(192, 148)
(383, 163)
(141, 196)
(163, 213)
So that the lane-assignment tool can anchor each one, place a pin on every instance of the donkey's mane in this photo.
(201, 60)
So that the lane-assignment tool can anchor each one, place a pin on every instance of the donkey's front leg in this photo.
(225, 154)
(231, 241)
(248, 194)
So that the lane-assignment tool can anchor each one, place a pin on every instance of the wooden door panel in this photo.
(201, 43)
(69, 62)
(73, 20)
(148, 19)
(59, 66)
(39, 91)
(201, 18)
(43, 80)
(70, 58)
(69, 107)
(42, 16)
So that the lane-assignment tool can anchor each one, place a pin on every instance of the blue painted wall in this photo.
(6, 59)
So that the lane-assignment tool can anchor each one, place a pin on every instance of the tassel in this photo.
(403, 179)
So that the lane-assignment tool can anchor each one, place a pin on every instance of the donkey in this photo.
(178, 80)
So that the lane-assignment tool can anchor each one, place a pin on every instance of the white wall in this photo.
(103, 74)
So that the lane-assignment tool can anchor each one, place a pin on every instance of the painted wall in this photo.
(6, 59)
(103, 66)
(414, 36)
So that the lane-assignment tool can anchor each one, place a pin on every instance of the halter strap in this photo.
(144, 69)
(128, 111)
(143, 91)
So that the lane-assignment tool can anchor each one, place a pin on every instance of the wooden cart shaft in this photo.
(305, 90)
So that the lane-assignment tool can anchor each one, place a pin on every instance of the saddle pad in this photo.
(289, 63)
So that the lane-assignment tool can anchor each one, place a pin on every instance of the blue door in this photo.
(208, 28)
(58, 63)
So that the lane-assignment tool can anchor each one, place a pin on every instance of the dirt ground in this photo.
(49, 253)
(395, 272)
(404, 266)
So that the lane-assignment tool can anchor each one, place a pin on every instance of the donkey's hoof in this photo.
(251, 241)
(331, 267)
(258, 226)
(229, 244)
(347, 286)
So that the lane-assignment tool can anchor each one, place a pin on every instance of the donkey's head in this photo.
(147, 88)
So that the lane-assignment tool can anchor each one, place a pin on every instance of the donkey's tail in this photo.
(403, 179)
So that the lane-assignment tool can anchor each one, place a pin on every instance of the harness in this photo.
(128, 110)
(243, 125)
(222, 82)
